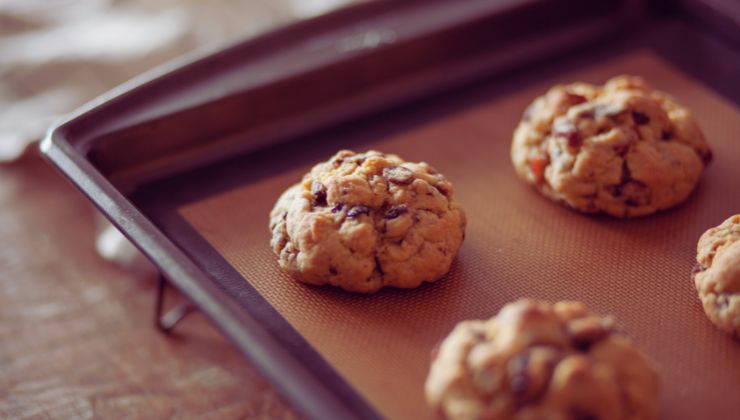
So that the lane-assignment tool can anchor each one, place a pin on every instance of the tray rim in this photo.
(304, 392)
(186, 235)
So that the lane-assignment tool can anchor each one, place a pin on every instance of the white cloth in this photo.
(56, 55)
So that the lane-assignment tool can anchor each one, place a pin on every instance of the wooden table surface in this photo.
(76, 333)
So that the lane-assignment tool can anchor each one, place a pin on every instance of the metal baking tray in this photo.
(188, 160)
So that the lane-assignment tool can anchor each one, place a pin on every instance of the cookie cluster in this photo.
(622, 149)
(540, 361)
(362, 221)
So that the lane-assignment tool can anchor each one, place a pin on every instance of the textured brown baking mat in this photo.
(518, 245)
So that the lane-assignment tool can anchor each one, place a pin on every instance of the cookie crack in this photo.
(635, 193)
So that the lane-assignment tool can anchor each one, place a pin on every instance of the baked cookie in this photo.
(362, 221)
(535, 360)
(717, 274)
(621, 148)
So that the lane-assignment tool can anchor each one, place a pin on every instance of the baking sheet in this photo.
(518, 244)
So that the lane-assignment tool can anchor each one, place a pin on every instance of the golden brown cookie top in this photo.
(535, 360)
(377, 181)
(362, 221)
(622, 148)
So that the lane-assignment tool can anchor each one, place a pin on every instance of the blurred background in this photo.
(76, 333)
(57, 54)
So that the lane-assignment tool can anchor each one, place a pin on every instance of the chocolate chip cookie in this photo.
(362, 221)
(535, 360)
(622, 149)
(717, 274)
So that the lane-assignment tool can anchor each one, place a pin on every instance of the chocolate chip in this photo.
(621, 150)
(319, 193)
(574, 140)
(574, 98)
(698, 268)
(633, 202)
(398, 175)
(340, 157)
(568, 131)
(337, 208)
(442, 190)
(396, 211)
(357, 211)
(636, 193)
(519, 383)
(666, 135)
(722, 302)
(587, 114)
(584, 332)
(640, 118)
(332, 271)
(582, 345)
(519, 375)
(360, 158)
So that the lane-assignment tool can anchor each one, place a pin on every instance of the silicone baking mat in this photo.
(518, 244)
